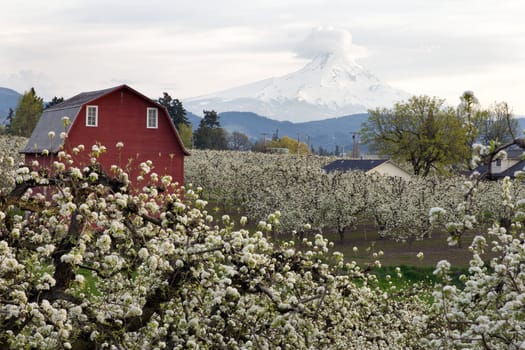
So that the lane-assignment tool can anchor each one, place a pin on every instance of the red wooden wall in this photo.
(122, 117)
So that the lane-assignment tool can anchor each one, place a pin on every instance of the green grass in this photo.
(89, 288)
(418, 274)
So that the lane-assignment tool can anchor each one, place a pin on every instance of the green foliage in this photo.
(210, 135)
(175, 109)
(421, 131)
(294, 146)
(27, 114)
(186, 135)
(54, 101)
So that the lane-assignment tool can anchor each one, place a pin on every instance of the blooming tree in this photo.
(89, 261)
(96, 264)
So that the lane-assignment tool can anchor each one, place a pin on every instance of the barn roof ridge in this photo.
(51, 119)
(83, 98)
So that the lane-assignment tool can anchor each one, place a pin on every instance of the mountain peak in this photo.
(331, 84)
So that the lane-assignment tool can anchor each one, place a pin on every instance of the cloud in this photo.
(329, 40)
(24, 80)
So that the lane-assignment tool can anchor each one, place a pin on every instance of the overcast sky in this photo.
(190, 48)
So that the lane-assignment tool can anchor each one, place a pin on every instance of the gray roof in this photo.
(519, 166)
(483, 169)
(51, 120)
(353, 164)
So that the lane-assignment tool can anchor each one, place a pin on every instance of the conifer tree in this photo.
(175, 109)
(210, 135)
(27, 114)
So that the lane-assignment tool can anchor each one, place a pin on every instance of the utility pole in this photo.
(297, 144)
(308, 142)
(264, 141)
(355, 145)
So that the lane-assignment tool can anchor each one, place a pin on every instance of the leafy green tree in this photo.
(210, 135)
(27, 114)
(186, 134)
(239, 141)
(54, 101)
(291, 144)
(421, 131)
(175, 109)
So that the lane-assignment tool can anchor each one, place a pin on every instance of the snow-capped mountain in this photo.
(330, 85)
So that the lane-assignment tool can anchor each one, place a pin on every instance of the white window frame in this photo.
(88, 108)
(149, 122)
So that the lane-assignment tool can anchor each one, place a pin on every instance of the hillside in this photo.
(8, 99)
(325, 133)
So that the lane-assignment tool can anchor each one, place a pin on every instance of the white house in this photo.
(379, 166)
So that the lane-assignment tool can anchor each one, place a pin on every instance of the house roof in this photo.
(514, 153)
(519, 166)
(353, 164)
(82, 98)
(51, 120)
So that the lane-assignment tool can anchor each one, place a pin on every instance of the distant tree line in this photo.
(421, 132)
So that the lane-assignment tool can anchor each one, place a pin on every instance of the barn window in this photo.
(92, 116)
(153, 118)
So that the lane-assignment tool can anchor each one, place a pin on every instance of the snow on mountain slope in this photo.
(330, 85)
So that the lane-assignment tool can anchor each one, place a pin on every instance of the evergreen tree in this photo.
(54, 101)
(9, 121)
(27, 114)
(210, 135)
(175, 109)
(275, 136)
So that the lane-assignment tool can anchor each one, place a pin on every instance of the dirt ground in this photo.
(434, 248)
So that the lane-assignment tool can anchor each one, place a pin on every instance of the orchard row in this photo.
(310, 199)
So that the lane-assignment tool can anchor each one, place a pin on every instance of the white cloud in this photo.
(329, 40)
(24, 80)
(203, 46)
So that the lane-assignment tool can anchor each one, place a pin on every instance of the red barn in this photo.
(111, 118)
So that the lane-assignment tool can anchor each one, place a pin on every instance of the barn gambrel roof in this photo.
(52, 120)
